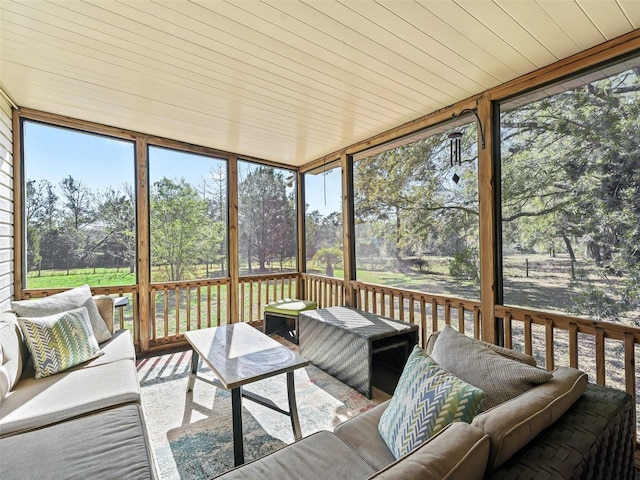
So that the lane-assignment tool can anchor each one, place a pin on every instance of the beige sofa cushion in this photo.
(361, 434)
(515, 423)
(499, 377)
(505, 352)
(460, 451)
(320, 456)
(106, 308)
(36, 403)
(61, 302)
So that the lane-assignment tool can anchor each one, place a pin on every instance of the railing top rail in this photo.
(268, 276)
(190, 283)
(101, 290)
(584, 325)
(440, 299)
(322, 278)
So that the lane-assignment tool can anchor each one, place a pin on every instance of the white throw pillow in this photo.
(500, 378)
(62, 302)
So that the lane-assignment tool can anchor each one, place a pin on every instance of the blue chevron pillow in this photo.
(427, 399)
(59, 341)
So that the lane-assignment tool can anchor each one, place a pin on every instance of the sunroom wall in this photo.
(6, 204)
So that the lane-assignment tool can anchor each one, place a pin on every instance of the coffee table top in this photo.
(239, 354)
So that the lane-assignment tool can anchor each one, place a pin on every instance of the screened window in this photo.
(79, 208)
(188, 215)
(323, 222)
(416, 213)
(571, 196)
(267, 239)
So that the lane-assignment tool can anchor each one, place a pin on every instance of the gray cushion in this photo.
(61, 302)
(361, 434)
(319, 456)
(460, 451)
(515, 423)
(505, 352)
(35, 403)
(111, 444)
(499, 377)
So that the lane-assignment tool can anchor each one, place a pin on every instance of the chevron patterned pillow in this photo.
(59, 341)
(427, 399)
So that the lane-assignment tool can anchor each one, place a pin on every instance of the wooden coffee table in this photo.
(238, 354)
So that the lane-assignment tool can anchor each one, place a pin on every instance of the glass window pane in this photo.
(416, 214)
(267, 239)
(571, 196)
(79, 208)
(188, 221)
(323, 222)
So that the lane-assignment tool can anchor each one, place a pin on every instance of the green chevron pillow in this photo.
(427, 399)
(60, 341)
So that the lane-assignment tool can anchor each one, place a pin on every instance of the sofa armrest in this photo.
(106, 307)
(458, 451)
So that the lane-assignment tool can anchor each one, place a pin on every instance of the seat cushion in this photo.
(34, 403)
(319, 456)
(118, 347)
(290, 306)
(427, 399)
(460, 451)
(500, 378)
(107, 444)
(513, 424)
(361, 434)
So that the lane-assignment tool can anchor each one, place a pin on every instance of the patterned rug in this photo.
(190, 433)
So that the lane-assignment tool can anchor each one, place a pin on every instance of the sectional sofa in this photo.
(85, 422)
(561, 428)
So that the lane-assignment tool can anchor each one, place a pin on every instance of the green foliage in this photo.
(464, 265)
(266, 218)
(177, 215)
(330, 257)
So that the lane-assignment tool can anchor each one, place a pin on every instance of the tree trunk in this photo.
(567, 243)
(329, 269)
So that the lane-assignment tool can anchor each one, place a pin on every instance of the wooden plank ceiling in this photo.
(287, 81)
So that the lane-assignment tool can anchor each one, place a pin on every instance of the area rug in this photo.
(190, 433)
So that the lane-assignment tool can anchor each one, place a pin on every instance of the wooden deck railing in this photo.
(177, 307)
(429, 312)
(257, 290)
(325, 291)
(607, 352)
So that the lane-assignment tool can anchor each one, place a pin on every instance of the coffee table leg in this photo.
(194, 370)
(236, 416)
(293, 408)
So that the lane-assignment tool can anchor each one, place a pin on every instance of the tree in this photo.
(266, 217)
(571, 171)
(117, 212)
(330, 257)
(177, 216)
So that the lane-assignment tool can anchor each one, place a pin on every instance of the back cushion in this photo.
(14, 350)
(505, 352)
(500, 378)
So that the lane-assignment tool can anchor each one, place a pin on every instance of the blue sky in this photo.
(53, 153)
